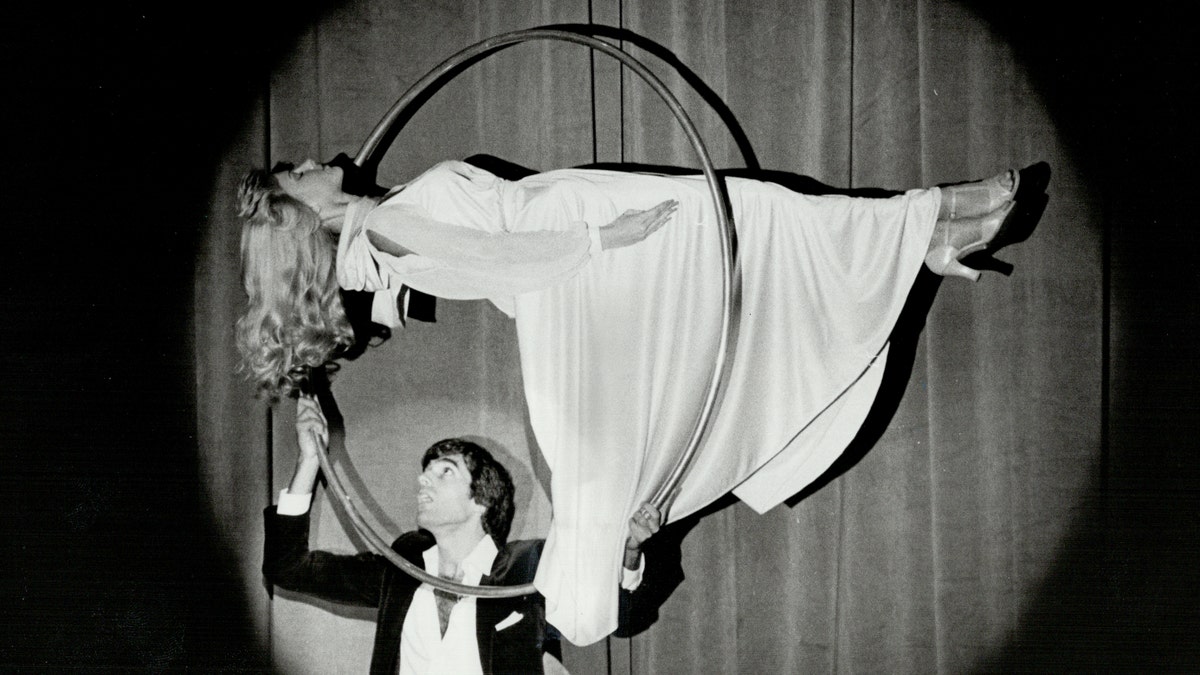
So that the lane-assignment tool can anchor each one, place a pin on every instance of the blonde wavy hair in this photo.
(294, 320)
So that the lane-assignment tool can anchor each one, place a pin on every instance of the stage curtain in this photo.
(923, 556)
(927, 548)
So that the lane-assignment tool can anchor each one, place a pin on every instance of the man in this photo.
(464, 511)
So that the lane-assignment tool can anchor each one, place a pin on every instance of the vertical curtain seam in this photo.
(850, 130)
(477, 74)
(269, 423)
(608, 655)
(621, 81)
(1106, 265)
(269, 436)
(835, 661)
(933, 530)
(838, 576)
(629, 645)
(592, 77)
(934, 543)
(316, 33)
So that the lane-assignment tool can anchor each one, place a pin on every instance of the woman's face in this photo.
(317, 185)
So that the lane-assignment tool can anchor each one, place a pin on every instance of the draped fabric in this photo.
(616, 363)
(616, 358)
(926, 549)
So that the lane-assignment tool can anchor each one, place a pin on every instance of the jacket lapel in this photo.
(488, 613)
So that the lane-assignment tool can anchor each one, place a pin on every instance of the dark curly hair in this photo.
(491, 484)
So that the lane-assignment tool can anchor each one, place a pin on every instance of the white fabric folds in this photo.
(616, 347)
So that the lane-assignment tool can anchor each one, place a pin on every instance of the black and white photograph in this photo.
(617, 337)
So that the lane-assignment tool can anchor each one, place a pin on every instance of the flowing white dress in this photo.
(616, 346)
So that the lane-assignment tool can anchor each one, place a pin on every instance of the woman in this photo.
(618, 319)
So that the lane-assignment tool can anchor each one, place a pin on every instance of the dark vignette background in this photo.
(115, 117)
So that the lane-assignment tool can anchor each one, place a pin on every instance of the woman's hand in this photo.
(633, 226)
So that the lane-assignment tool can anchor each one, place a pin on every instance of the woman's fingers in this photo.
(635, 225)
(667, 208)
(661, 214)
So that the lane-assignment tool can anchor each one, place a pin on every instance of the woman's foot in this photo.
(980, 198)
(977, 238)
(954, 239)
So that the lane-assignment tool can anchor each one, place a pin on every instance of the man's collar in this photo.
(475, 566)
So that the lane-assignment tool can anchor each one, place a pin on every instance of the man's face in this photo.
(444, 498)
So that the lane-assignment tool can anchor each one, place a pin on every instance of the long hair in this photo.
(294, 320)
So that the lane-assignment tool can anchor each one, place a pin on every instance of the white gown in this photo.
(616, 346)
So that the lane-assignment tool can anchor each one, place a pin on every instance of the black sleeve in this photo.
(289, 564)
(637, 610)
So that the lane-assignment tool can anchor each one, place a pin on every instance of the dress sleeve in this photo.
(459, 262)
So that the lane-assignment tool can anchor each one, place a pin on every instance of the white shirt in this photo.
(423, 649)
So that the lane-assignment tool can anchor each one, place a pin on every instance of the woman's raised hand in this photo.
(633, 226)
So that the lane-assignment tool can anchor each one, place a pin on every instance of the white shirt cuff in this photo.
(384, 309)
(631, 579)
(594, 235)
(293, 505)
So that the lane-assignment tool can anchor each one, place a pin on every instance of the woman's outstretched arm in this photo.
(460, 262)
(627, 229)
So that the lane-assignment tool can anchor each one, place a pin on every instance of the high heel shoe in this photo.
(1016, 228)
(1021, 222)
(963, 237)
(990, 193)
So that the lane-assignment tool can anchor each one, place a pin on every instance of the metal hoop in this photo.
(370, 151)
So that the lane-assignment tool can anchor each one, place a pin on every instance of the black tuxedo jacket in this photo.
(371, 580)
